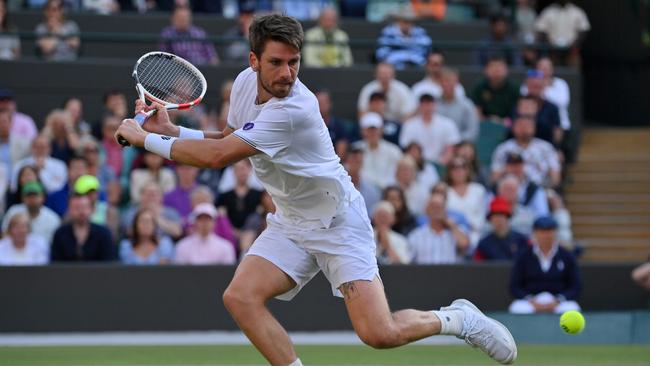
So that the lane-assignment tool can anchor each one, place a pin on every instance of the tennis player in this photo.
(320, 223)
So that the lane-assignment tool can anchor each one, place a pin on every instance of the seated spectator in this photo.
(354, 165)
(380, 157)
(89, 185)
(179, 198)
(57, 38)
(435, 133)
(59, 130)
(203, 246)
(403, 44)
(545, 277)
(495, 95)
(465, 196)
(222, 227)
(51, 172)
(255, 224)
(525, 16)
(400, 103)
(104, 7)
(58, 200)
(115, 105)
(74, 107)
(152, 170)
(564, 26)
(641, 275)
(415, 192)
(42, 221)
(326, 45)
(380, 10)
(563, 218)
(186, 40)
(522, 217)
(556, 91)
(467, 150)
(238, 48)
(169, 221)
(547, 115)
(404, 220)
(530, 194)
(392, 128)
(241, 201)
(427, 9)
(20, 247)
(9, 41)
(392, 247)
(26, 174)
(541, 162)
(12, 148)
(441, 240)
(144, 245)
(459, 109)
(89, 148)
(22, 125)
(111, 152)
(501, 242)
(340, 133)
(80, 239)
(432, 82)
(426, 174)
(498, 43)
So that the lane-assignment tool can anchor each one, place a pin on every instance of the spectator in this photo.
(241, 201)
(52, 172)
(467, 150)
(501, 242)
(498, 43)
(380, 10)
(547, 116)
(27, 173)
(204, 247)
(111, 151)
(58, 200)
(530, 194)
(403, 44)
(9, 42)
(426, 174)
(238, 48)
(354, 165)
(441, 240)
(255, 223)
(222, 119)
(12, 147)
(641, 275)
(74, 107)
(42, 221)
(179, 198)
(556, 91)
(459, 109)
(57, 38)
(545, 277)
(380, 157)
(59, 130)
(152, 170)
(522, 217)
(432, 82)
(144, 245)
(404, 220)
(406, 179)
(20, 247)
(392, 128)
(151, 198)
(115, 104)
(89, 185)
(223, 228)
(466, 197)
(22, 125)
(563, 218)
(525, 16)
(89, 148)
(392, 247)
(564, 26)
(80, 239)
(400, 103)
(340, 133)
(186, 40)
(326, 45)
(435, 133)
(300, 9)
(104, 7)
(495, 95)
(541, 163)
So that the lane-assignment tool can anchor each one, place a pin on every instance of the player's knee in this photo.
(236, 299)
(380, 339)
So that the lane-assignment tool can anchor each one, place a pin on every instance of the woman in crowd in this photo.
(144, 246)
(404, 219)
(59, 129)
(19, 247)
(57, 38)
(28, 173)
(151, 169)
(465, 196)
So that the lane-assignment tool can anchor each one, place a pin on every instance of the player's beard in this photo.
(269, 87)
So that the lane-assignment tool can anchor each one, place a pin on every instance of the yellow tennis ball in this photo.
(572, 322)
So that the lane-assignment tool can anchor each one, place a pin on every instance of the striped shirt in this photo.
(403, 50)
(430, 247)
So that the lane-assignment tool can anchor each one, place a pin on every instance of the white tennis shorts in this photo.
(344, 252)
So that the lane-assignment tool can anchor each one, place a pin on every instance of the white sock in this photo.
(451, 321)
(297, 362)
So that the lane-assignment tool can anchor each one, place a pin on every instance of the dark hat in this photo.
(545, 223)
(31, 187)
(6, 94)
(500, 205)
(514, 158)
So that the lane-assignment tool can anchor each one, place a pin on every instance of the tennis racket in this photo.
(166, 79)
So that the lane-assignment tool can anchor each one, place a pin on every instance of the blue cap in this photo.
(535, 74)
(545, 223)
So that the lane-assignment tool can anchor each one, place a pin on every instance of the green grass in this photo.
(318, 355)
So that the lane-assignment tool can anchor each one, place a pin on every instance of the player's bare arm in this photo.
(160, 123)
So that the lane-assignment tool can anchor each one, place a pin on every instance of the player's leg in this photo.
(255, 282)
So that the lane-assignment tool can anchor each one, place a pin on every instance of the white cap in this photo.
(371, 119)
(203, 209)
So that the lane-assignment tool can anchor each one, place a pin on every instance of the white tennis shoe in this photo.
(485, 333)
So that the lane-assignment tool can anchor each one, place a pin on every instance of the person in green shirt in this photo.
(495, 95)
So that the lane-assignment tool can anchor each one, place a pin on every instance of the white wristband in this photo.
(159, 144)
(188, 133)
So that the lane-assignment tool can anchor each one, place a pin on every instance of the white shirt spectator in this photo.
(416, 197)
(430, 247)
(428, 176)
(472, 205)
(399, 100)
(431, 87)
(54, 174)
(35, 252)
(434, 137)
(45, 224)
(557, 93)
(379, 165)
(540, 158)
(140, 177)
(562, 24)
(400, 246)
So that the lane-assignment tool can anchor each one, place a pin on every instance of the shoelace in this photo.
(472, 334)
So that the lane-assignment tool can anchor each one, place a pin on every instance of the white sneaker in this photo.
(485, 333)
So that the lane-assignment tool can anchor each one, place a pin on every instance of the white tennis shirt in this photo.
(298, 165)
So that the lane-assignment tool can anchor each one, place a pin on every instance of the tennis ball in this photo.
(572, 322)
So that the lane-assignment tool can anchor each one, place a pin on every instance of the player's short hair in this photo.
(275, 27)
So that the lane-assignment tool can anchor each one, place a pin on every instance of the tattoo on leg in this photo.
(349, 290)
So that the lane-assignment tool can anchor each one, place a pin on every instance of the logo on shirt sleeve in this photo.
(248, 126)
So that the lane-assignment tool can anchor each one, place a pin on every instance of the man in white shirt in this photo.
(380, 157)
(435, 133)
(42, 220)
(564, 26)
(320, 221)
(52, 172)
(400, 103)
(431, 84)
(20, 247)
(459, 109)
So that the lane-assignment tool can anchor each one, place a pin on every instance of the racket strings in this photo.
(169, 80)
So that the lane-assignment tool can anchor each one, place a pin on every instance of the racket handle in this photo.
(141, 117)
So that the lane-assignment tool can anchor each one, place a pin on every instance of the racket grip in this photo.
(141, 117)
